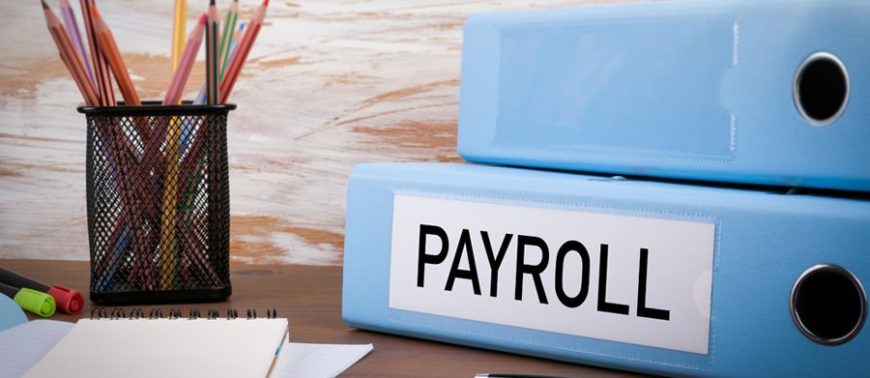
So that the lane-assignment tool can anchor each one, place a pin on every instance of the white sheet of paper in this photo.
(24, 345)
(317, 360)
(163, 348)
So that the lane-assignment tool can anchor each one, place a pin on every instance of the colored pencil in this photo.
(185, 66)
(150, 163)
(173, 95)
(107, 46)
(200, 95)
(75, 36)
(69, 56)
(228, 27)
(245, 45)
(212, 35)
(102, 77)
(110, 145)
(179, 24)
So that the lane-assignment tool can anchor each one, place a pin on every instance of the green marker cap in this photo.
(36, 302)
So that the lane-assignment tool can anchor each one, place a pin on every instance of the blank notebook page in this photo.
(165, 348)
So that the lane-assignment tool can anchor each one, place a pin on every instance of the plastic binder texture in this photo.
(656, 277)
(760, 92)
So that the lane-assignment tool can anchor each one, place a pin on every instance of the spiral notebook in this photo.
(156, 346)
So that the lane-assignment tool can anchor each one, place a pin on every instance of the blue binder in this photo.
(774, 278)
(760, 92)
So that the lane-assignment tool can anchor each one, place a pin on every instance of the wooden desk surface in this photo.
(310, 297)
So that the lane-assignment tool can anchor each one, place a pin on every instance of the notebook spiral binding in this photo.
(174, 314)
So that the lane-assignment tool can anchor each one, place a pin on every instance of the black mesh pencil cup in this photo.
(158, 203)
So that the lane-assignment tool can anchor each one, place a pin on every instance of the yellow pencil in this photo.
(179, 25)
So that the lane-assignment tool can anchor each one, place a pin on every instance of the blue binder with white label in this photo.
(654, 277)
(760, 92)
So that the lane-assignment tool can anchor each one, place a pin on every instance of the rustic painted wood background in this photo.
(329, 84)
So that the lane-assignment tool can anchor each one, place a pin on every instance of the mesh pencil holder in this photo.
(158, 203)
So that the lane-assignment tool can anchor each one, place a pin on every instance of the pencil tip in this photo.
(203, 19)
(265, 3)
(211, 2)
(44, 5)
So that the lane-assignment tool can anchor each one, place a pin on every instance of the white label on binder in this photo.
(631, 279)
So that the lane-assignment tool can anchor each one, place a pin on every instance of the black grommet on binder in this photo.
(821, 88)
(828, 304)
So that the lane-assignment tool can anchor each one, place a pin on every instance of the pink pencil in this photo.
(72, 28)
(244, 48)
(185, 65)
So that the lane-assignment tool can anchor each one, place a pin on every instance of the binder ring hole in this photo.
(821, 88)
(828, 304)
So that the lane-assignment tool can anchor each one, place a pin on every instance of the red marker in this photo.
(68, 300)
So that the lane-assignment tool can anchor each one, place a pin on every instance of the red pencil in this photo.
(101, 70)
(69, 56)
(247, 41)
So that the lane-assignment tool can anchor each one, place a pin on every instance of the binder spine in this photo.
(785, 280)
(731, 91)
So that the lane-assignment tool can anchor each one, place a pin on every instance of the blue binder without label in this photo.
(760, 92)
(655, 277)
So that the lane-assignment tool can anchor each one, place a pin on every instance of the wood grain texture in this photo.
(310, 297)
(329, 84)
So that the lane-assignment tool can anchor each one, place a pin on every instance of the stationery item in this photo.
(67, 300)
(138, 255)
(245, 44)
(11, 314)
(102, 77)
(234, 47)
(212, 36)
(200, 95)
(83, 84)
(25, 344)
(136, 345)
(75, 36)
(662, 278)
(69, 56)
(228, 27)
(179, 24)
(317, 360)
(736, 91)
(106, 42)
(31, 300)
(173, 96)
(185, 66)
